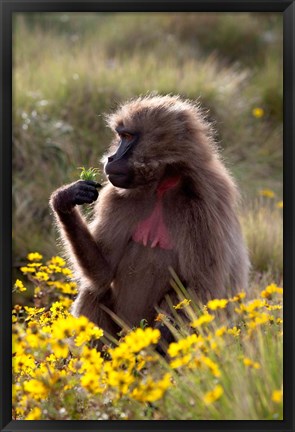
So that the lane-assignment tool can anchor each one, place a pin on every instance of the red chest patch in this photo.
(153, 231)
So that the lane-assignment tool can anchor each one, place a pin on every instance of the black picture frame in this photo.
(7, 8)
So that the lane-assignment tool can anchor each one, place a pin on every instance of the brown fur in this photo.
(209, 254)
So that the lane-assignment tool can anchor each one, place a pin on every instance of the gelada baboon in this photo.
(169, 202)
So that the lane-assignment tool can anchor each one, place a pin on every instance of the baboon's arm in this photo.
(86, 250)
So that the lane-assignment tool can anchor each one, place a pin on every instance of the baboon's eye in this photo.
(126, 136)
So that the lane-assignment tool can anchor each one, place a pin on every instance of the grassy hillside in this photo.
(70, 69)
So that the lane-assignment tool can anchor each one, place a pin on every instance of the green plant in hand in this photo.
(88, 174)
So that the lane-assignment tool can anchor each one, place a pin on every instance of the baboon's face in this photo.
(132, 164)
(119, 168)
(148, 141)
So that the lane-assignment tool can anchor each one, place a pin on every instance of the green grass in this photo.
(91, 62)
(262, 225)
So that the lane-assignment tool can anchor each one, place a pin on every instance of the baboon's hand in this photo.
(77, 193)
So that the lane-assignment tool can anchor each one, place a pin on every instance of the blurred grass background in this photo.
(69, 69)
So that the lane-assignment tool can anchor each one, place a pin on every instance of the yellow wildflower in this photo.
(277, 396)
(121, 380)
(238, 298)
(262, 318)
(36, 389)
(85, 330)
(17, 308)
(220, 331)
(57, 309)
(19, 286)
(183, 345)
(273, 307)
(95, 332)
(91, 382)
(142, 338)
(74, 365)
(25, 270)
(271, 289)
(23, 363)
(212, 343)
(45, 319)
(195, 363)
(34, 414)
(19, 412)
(58, 261)
(280, 204)
(67, 272)
(82, 338)
(250, 363)
(34, 264)
(34, 256)
(91, 357)
(34, 340)
(217, 304)
(67, 287)
(44, 268)
(60, 348)
(33, 311)
(63, 328)
(251, 306)
(211, 365)
(15, 390)
(42, 276)
(182, 304)
(51, 358)
(53, 268)
(151, 391)
(140, 362)
(204, 319)
(66, 302)
(234, 331)
(181, 361)
(213, 395)
(268, 193)
(82, 324)
(258, 112)
(258, 319)
(160, 317)
(37, 291)
(122, 356)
